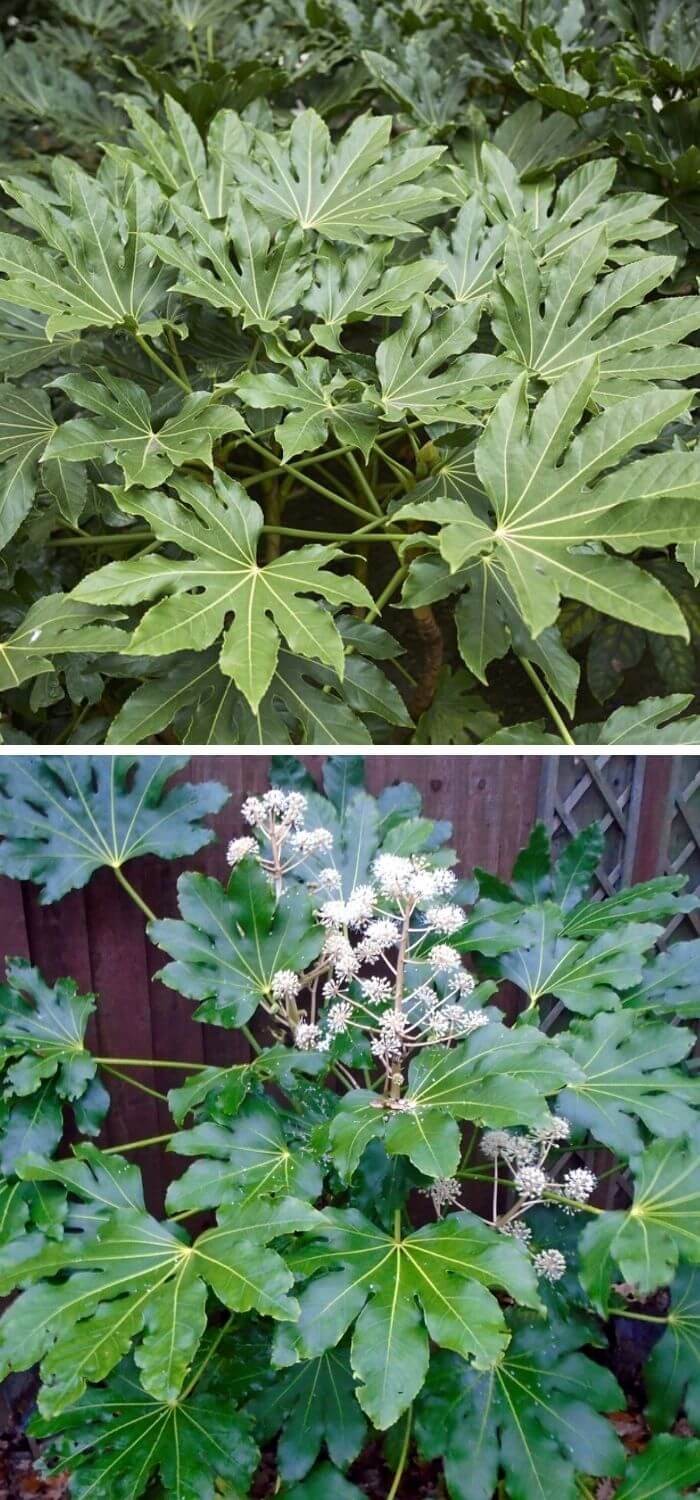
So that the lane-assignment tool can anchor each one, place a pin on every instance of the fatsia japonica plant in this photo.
(463, 1146)
(348, 360)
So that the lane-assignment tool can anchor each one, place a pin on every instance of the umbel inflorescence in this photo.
(386, 974)
(380, 973)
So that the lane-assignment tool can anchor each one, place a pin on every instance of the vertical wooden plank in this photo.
(13, 923)
(653, 817)
(116, 930)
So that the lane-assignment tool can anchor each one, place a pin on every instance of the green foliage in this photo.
(382, 1233)
(279, 283)
(46, 1064)
(62, 819)
(540, 1421)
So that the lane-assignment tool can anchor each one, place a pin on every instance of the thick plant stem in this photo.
(363, 483)
(103, 538)
(149, 1062)
(148, 1140)
(313, 484)
(143, 1088)
(156, 359)
(548, 701)
(201, 1367)
(363, 535)
(403, 1457)
(128, 887)
(252, 1041)
(394, 583)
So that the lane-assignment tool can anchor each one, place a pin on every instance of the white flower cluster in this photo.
(411, 880)
(308, 1037)
(444, 1192)
(287, 809)
(418, 996)
(278, 817)
(524, 1156)
(285, 985)
(549, 1264)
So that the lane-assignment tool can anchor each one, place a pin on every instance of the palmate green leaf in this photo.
(636, 725)
(672, 1371)
(136, 1278)
(90, 267)
(239, 268)
(62, 817)
(29, 1124)
(312, 1405)
(363, 186)
(666, 1470)
(56, 624)
(23, 342)
(250, 1156)
(102, 1180)
(305, 701)
(630, 1075)
(124, 427)
(498, 1077)
(670, 983)
(220, 526)
(470, 254)
(538, 1419)
(232, 939)
(586, 976)
(177, 158)
(352, 286)
(326, 1483)
(457, 715)
(316, 401)
(427, 80)
(364, 1277)
(26, 424)
(656, 900)
(554, 217)
(551, 518)
(536, 876)
(117, 1439)
(42, 1034)
(218, 1093)
(424, 368)
(644, 1245)
(487, 616)
(548, 323)
(553, 220)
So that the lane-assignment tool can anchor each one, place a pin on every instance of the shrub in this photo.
(348, 358)
(396, 1229)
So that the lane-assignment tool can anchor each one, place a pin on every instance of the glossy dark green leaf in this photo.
(136, 1277)
(232, 939)
(117, 1439)
(672, 1371)
(64, 817)
(539, 1419)
(362, 1276)
(249, 1157)
(313, 1407)
(630, 1077)
(666, 1470)
(644, 1244)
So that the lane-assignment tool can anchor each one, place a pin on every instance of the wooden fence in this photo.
(649, 805)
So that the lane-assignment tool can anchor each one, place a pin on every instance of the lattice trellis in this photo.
(649, 809)
(683, 856)
(582, 789)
